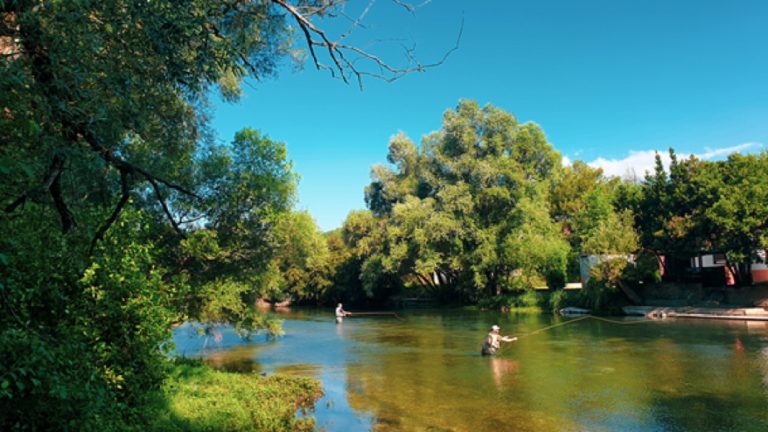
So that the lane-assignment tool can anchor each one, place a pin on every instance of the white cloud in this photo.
(566, 161)
(640, 162)
(713, 153)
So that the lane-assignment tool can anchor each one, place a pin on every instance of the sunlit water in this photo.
(424, 372)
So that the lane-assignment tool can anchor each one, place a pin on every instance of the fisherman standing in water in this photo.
(492, 341)
(340, 314)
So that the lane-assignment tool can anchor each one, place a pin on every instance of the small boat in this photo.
(574, 311)
(283, 304)
(265, 304)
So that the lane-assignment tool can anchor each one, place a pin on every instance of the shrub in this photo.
(558, 299)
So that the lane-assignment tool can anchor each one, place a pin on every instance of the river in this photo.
(422, 371)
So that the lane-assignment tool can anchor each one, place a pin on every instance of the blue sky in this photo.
(609, 82)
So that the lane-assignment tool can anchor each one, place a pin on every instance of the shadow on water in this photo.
(707, 412)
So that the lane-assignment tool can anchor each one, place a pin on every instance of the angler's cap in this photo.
(495, 328)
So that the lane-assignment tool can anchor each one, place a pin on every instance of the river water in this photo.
(423, 371)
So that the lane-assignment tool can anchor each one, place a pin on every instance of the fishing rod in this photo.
(374, 313)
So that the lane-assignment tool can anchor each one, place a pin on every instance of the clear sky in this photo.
(609, 81)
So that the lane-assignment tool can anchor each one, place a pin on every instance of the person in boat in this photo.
(493, 341)
(340, 313)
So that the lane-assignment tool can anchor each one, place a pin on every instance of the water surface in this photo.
(424, 372)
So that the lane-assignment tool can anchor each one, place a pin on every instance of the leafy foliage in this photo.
(121, 213)
(702, 208)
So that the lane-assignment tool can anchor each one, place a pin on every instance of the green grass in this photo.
(524, 309)
(197, 398)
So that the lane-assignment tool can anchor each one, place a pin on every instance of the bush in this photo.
(523, 301)
(557, 300)
(598, 296)
(82, 340)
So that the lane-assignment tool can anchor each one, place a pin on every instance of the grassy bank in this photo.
(197, 398)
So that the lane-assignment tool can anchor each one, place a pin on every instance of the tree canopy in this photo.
(459, 208)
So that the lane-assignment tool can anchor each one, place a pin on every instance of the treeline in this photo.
(484, 209)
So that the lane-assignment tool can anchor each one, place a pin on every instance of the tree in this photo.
(583, 198)
(668, 212)
(301, 258)
(453, 206)
(738, 217)
(230, 242)
(704, 207)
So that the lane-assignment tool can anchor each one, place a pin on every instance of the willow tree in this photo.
(468, 209)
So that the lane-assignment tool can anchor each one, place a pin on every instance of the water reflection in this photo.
(237, 359)
(501, 368)
(425, 373)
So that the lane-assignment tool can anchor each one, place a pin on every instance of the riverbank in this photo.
(198, 398)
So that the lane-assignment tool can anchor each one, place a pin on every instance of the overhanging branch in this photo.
(343, 64)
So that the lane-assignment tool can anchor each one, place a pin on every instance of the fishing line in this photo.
(377, 313)
(608, 320)
(582, 318)
(543, 329)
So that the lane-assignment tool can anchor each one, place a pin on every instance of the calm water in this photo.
(424, 372)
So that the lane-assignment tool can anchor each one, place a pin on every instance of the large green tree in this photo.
(459, 208)
(700, 207)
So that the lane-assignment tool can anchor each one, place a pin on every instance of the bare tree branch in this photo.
(407, 6)
(52, 184)
(191, 220)
(357, 22)
(124, 196)
(343, 65)
(308, 28)
(167, 211)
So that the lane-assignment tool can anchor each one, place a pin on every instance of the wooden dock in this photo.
(742, 314)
